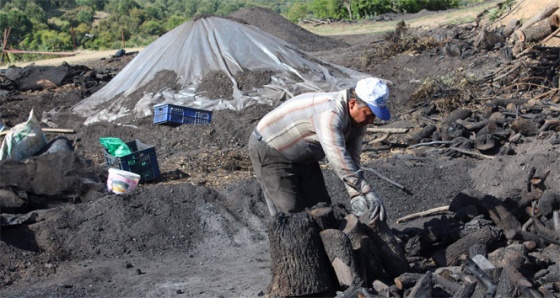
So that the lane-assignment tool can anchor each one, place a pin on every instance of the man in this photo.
(286, 146)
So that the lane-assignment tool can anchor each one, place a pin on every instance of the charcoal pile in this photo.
(478, 246)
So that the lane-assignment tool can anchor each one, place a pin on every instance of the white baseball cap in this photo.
(375, 93)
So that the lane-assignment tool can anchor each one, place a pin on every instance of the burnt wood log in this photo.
(466, 290)
(391, 250)
(547, 234)
(422, 288)
(513, 284)
(368, 265)
(548, 203)
(341, 255)
(447, 284)
(450, 128)
(458, 250)
(300, 265)
(494, 208)
(525, 127)
(407, 280)
(478, 249)
(485, 142)
(424, 133)
(514, 256)
(504, 102)
(487, 39)
(553, 274)
(324, 217)
(521, 235)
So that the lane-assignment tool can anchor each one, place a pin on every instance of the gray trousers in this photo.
(287, 186)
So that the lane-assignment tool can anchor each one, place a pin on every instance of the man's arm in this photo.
(343, 156)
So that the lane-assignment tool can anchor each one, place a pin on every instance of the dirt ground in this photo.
(201, 230)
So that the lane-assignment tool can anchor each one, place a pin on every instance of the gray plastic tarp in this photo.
(211, 44)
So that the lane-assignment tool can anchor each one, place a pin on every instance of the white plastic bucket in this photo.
(121, 182)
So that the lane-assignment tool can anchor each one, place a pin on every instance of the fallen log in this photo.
(538, 31)
(543, 14)
(300, 265)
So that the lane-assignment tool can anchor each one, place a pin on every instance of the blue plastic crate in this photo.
(142, 161)
(174, 115)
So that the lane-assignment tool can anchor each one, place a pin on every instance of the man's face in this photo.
(360, 116)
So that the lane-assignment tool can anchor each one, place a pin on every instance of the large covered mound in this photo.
(273, 23)
(173, 68)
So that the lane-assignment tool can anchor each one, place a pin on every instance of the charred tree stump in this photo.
(341, 255)
(300, 265)
(324, 217)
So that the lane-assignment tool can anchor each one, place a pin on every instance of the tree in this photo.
(297, 12)
(35, 13)
(207, 7)
(152, 27)
(326, 8)
(18, 21)
(85, 16)
(173, 22)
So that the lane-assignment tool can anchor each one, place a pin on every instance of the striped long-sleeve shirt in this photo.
(311, 126)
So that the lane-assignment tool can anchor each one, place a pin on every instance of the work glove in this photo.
(376, 205)
(368, 204)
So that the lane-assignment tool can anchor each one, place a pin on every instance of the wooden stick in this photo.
(550, 36)
(387, 130)
(428, 212)
(54, 130)
(384, 178)
(380, 139)
(430, 143)
(471, 153)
